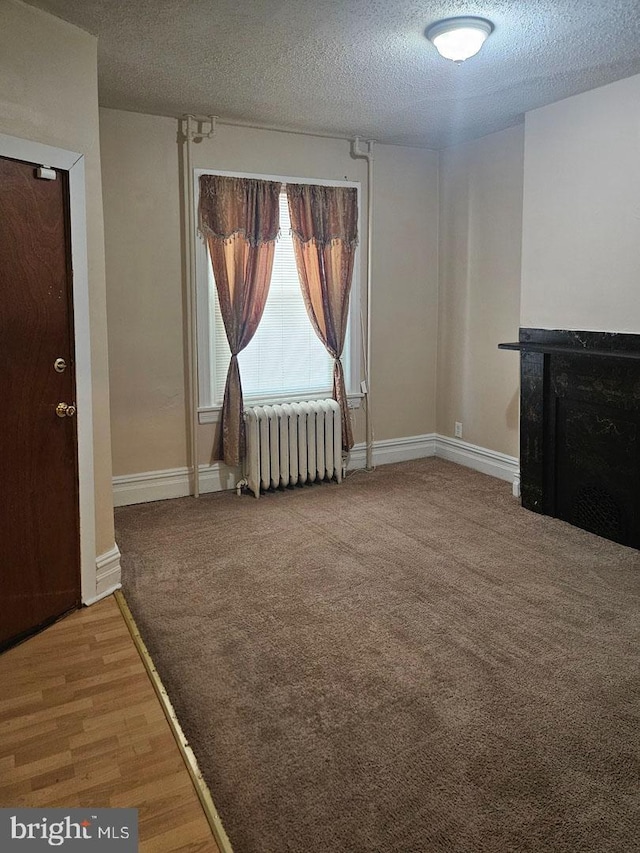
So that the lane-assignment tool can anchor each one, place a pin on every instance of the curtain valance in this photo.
(245, 206)
(323, 214)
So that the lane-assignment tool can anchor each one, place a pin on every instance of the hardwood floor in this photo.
(80, 725)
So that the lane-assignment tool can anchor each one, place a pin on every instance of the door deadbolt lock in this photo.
(64, 410)
(59, 365)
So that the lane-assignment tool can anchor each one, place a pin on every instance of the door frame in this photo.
(73, 163)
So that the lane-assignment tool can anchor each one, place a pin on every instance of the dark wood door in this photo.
(39, 515)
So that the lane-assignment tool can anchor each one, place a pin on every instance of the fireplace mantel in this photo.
(580, 428)
(526, 346)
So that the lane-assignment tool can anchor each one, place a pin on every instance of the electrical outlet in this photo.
(458, 430)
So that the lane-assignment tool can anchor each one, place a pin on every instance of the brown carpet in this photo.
(407, 662)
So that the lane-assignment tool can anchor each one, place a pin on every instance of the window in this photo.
(285, 360)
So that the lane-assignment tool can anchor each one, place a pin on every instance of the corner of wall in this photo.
(439, 285)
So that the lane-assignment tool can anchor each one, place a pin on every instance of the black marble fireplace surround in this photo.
(580, 429)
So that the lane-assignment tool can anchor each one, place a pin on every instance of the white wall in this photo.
(578, 228)
(479, 305)
(141, 175)
(581, 217)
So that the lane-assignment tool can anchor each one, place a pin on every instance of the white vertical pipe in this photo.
(368, 156)
(192, 340)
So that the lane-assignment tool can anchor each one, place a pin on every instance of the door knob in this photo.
(64, 410)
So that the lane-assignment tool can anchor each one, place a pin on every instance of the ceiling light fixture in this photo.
(459, 38)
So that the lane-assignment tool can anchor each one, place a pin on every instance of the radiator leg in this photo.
(240, 484)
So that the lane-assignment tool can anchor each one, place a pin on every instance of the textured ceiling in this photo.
(353, 67)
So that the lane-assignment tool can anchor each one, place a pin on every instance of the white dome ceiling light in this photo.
(459, 38)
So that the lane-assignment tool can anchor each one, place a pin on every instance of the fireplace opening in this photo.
(597, 510)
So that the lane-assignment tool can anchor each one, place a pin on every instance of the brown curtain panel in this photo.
(324, 227)
(239, 218)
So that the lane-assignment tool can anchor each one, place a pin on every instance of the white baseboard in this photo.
(389, 450)
(453, 449)
(171, 483)
(175, 482)
(150, 486)
(516, 485)
(108, 574)
(479, 458)
(104, 594)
